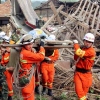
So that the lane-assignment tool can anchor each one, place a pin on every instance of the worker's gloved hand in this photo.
(42, 43)
(75, 41)
(43, 37)
(47, 59)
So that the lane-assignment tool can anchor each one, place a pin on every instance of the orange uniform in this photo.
(27, 59)
(83, 77)
(48, 70)
(4, 61)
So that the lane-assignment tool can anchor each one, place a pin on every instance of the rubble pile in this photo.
(81, 18)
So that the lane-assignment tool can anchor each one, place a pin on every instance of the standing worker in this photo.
(28, 59)
(84, 62)
(8, 72)
(47, 68)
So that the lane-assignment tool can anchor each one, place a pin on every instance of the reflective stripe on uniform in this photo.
(6, 58)
(42, 53)
(23, 61)
(80, 52)
(93, 58)
(83, 98)
(45, 84)
(37, 83)
(53, 53)
(10, 91)
(49, 84)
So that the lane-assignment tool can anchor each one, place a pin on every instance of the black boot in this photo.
(9, 98)
(50, 92)
(37, 89)
(44, 91)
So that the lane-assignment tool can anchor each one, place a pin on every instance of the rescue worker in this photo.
(8, 72)
(84, 58)
(47, 68)
(27, 59)
(3, 84)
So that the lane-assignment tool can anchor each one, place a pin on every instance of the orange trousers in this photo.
(9, 82)
(47, 71)
(28, 90)
(83, 81)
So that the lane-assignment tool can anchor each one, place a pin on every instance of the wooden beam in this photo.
(74, 34)
(86, 26)
(55, 12)
(50, 46)
(52, 17)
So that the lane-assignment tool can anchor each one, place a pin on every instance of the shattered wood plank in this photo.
(52, 17)
(86, 26)
(75, 35)
(85, 12)
(55, 12)
(82, 9)
(94, 17)
(93, 31)
(98, 22)
(77, 8)
(69, 51)
(90, 13)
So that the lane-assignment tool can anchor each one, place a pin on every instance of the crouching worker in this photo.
(48, 70)
(28, 59)
(84, 62)
(8, 70)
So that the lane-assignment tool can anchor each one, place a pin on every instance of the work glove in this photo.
(42, 43)
(47, 59)
(75, 41)
(43, 37)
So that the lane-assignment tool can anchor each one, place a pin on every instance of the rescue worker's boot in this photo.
(50, 92)
(37, 89)
(44, 91)
(9, 97)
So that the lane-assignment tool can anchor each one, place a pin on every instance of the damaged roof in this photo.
(5, 9)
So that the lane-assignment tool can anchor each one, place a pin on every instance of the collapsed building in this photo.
(81, 18)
